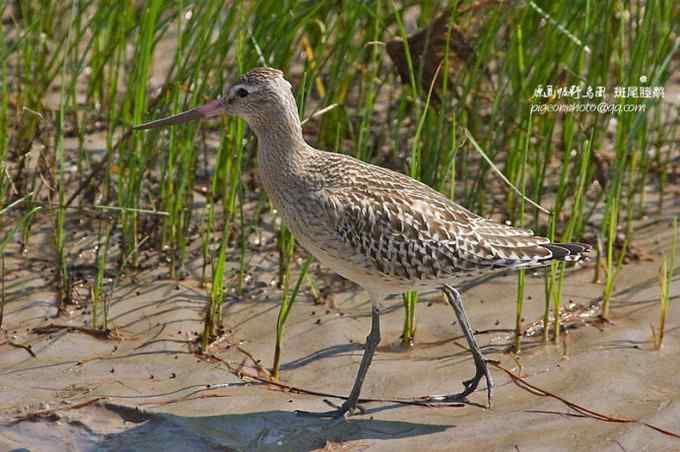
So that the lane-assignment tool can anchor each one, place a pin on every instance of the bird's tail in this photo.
(568, 252)
(556, 252)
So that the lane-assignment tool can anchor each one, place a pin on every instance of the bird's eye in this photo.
(241, 92)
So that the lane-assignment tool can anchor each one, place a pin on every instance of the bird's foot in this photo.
(460, 397)
(470, 387)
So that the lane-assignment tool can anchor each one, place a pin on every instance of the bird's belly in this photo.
(360, 270)
(311, 232)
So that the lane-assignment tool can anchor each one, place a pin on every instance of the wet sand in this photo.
(144, 388)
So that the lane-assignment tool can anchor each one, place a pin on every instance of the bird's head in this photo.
(258, 97)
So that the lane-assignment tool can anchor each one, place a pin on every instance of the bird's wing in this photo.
(409, 230)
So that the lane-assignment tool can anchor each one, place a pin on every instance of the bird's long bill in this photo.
(205, 111)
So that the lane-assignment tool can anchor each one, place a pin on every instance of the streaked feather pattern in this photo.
(400, 232)
(381, 229)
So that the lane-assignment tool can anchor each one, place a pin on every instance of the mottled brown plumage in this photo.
(391, 233)
(383, 230)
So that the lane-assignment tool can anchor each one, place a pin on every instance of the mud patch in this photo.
(154, 393)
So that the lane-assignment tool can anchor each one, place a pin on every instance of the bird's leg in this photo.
(372, 341)
(482, 370)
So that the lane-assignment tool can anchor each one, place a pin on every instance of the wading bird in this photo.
(383, 230)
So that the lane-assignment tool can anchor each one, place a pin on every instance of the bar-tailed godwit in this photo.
(383, 230)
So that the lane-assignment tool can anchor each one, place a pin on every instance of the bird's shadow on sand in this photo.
(262, 431)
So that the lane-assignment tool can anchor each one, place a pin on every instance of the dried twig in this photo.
(28, 347)
(240, 373)
(581, 410)
(94, 332)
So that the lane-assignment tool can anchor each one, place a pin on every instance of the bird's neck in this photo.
(278, 128)
(280, 138)
(281, 151)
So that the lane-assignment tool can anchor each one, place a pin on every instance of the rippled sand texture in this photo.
(144, 388)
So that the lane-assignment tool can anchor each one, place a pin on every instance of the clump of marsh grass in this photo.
(287, 300)
(521, 277)
(102, 57)
(213, 315)
(100, 306)
(6, 240)
(665, 277)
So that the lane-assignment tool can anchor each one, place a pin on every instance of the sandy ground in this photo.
(145, 388)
